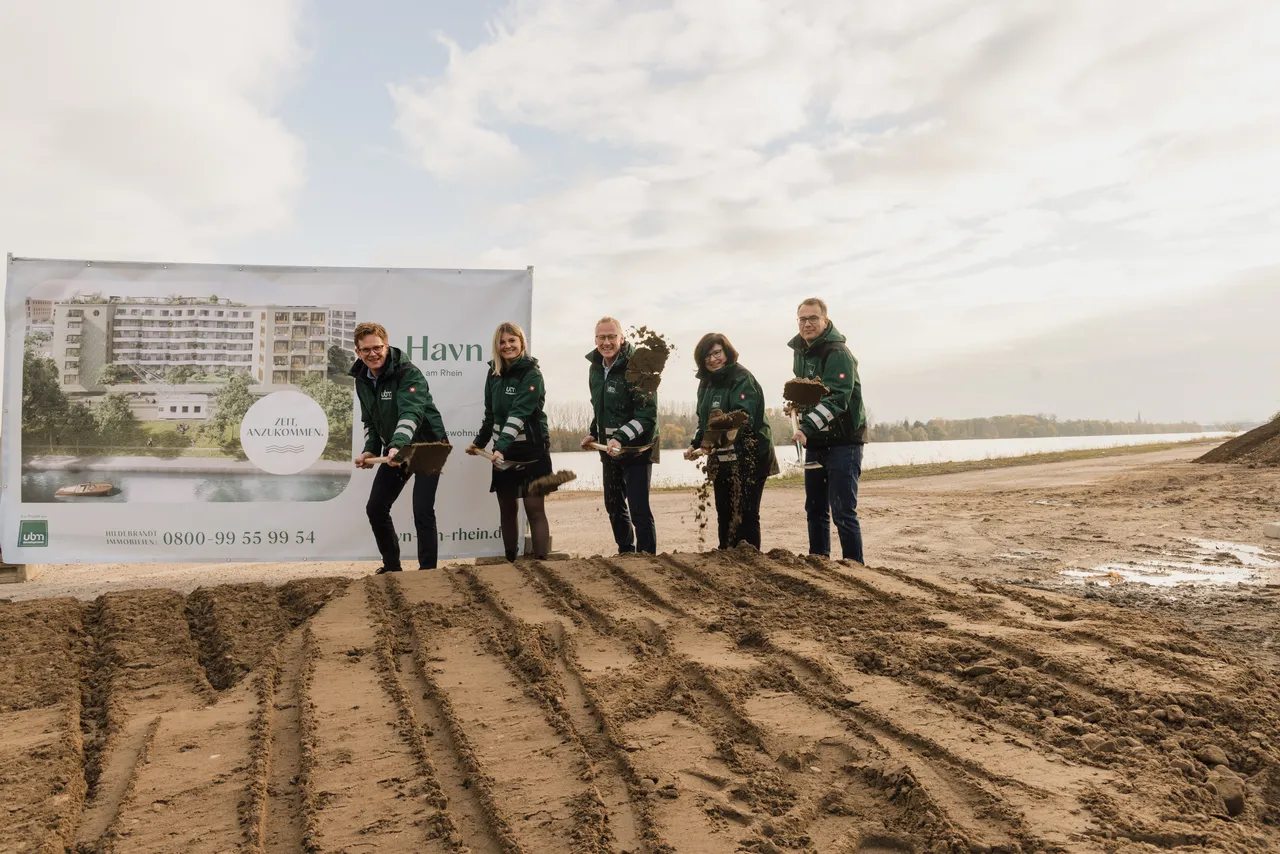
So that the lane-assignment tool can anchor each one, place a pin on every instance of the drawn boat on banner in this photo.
(95, 488)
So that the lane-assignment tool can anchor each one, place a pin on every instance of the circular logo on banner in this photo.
(284, 432)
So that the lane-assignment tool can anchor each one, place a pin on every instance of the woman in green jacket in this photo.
(514, 416)
(738, 468)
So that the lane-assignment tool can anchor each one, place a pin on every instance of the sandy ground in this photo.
(958, 694)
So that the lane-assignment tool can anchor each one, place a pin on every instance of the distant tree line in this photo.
(568, 423)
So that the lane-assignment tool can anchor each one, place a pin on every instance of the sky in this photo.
(1013, 206)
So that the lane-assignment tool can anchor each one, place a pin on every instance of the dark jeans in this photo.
(835, 485)
(628, 486)
(734, 527)
(388, 483)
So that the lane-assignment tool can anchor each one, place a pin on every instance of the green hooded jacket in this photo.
(619, 410)
(733, 387)
(396, 406)
(840, 418)
(513, 410)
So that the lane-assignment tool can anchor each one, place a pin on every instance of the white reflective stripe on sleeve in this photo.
(520, 437)
(635, 425)
(519, 422)
(609, 431)
(407, 422)
(625, 430)
(509, 430)
(403, 430)
(817, 421)
(826, 413)
(726, 456)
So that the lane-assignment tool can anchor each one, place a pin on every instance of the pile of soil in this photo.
(720, 702)
(1259, 447)
(804, 392)
(644, 367)
(722, 427)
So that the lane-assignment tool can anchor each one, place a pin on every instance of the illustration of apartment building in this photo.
(276, 345)
(342, 330)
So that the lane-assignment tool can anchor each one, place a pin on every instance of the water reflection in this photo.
(175, 488)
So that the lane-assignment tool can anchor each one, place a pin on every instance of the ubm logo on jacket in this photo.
(386, 394)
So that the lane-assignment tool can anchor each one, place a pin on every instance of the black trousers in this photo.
(388, 483)
(739, 520)
(628, 486)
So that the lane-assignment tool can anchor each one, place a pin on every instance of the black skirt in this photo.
(517, 479)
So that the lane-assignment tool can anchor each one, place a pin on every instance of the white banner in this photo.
(127, 386)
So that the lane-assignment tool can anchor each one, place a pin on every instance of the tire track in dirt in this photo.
(964, 788)
(739, 787)
(606, 816)
(42, 784)
(366, 787)
(533, 773)
(468, 793)
(144, 664)
(281, 820)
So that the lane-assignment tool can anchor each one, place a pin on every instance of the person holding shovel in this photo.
(397, 410)
(626, 417)
(514, 415)
(832, 431)
(740, 446)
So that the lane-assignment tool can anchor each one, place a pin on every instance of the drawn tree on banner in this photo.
(230, 403)
(337, 402)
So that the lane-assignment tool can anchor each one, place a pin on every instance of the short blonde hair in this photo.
(822, 306)
(615, 321)
(507, 328)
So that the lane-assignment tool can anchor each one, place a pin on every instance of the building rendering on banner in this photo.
(144, 337)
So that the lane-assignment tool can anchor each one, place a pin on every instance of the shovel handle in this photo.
(624, 449)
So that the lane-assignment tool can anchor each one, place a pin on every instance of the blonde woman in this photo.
(514, 416)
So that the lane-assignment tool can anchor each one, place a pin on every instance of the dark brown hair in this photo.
(704, 346)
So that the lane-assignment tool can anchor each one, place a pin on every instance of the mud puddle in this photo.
(1188, 561)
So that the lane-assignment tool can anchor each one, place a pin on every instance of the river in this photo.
(674, 470)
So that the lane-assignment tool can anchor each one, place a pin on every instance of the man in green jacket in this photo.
(833, 431)
(397, 410)
(623, 416)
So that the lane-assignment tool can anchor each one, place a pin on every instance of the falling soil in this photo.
(722, 428)
(547, 484)
(1259, 447)
(804, 392)
(956, 700)
(644, 366)
(427, 457)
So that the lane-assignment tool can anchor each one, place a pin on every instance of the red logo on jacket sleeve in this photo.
(411, 388)
(842, 376)
(530, 388)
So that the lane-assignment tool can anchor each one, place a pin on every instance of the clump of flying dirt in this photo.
(644, 366)
(722, 428)
(550, 483)
(1259, 447)
(804, 392)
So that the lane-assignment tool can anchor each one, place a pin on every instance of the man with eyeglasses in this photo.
(623, 416)
(397, 410)
(833, 431)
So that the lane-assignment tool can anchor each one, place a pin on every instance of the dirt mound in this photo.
(720, 702)
(1259, 447)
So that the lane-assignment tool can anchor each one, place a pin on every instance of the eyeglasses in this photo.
(605, 338)
(809, 318)
(717, 353)
(371, 351)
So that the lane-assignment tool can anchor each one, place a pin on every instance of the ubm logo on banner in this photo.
(33, 533)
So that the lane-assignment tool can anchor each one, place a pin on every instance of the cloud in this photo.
(949, 175)
(145, 129)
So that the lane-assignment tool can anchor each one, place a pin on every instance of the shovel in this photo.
(800, 463)
(419, 458)
(624, 451)
(506, 463)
